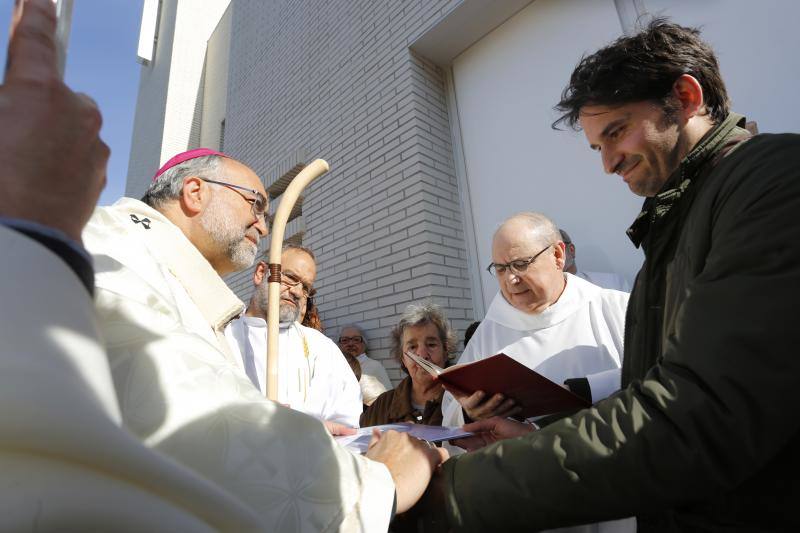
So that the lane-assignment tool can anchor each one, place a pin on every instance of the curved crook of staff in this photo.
(312, 171)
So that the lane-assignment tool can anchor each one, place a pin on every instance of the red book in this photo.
(499, 373)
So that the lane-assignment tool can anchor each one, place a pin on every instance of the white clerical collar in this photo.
(218, 304)
(361, 358)
(571, 300)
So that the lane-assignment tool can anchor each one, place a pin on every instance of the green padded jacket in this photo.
(705, 434)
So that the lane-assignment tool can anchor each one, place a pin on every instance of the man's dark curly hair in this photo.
(644, 67)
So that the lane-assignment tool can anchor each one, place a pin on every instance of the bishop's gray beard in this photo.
(217, 223)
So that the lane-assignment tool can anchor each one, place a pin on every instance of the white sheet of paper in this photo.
(360, 441)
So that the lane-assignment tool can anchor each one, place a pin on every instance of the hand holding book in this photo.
(477, 404)
(489, 384)
(481, 406)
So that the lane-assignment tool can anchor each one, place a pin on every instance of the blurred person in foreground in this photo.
(425, 331)
(68, 462)
(704, 435)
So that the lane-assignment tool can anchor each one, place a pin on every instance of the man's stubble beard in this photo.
(215, 220)
(286, 311)
(351, 352)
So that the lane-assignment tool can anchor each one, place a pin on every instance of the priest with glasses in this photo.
(560, 325)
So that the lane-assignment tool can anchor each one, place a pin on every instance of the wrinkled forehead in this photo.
(240, 174)
(514, 241)
(421, 332)
(300, 264)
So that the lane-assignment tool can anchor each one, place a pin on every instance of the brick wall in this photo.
(335, 79)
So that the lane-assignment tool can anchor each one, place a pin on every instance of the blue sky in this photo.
(101, 62)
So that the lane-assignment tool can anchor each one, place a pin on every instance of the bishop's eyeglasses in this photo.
(258, 205)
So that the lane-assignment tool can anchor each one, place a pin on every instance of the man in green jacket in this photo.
(705, 433)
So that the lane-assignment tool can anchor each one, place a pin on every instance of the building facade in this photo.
(435, 118)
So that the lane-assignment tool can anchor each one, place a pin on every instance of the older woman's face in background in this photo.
(424, 341)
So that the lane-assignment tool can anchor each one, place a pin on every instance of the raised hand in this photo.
(53, 160)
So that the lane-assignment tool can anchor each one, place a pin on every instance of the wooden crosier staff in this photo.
(317, 168)
(63, 29)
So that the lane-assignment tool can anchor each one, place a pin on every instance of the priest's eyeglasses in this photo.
(517, 266)
(290, 280)
(258, 205)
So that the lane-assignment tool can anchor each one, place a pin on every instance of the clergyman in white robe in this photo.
(581, 335)
(313, 375)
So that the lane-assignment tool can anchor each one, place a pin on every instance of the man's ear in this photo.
(259, 273)
(194, 195)
(689, 93)
(560, 254)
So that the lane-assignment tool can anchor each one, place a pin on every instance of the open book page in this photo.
(359, 442)
(436, 370)
(423, 363)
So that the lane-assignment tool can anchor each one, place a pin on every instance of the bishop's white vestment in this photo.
(313, 375)
(162, 310)
(67, 462)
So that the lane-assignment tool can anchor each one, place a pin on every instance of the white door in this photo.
(506, 85)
